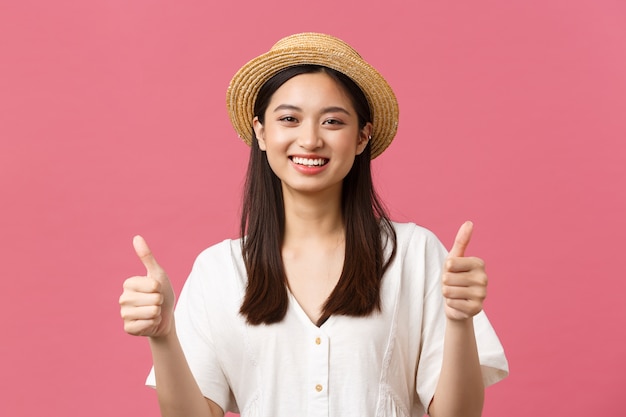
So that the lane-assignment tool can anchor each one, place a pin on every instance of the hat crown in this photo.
(311, 40)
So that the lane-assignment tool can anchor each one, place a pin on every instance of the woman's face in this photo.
(311, 134)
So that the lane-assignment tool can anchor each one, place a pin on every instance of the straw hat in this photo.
(316, 49)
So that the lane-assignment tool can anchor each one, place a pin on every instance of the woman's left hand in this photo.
(464, 281)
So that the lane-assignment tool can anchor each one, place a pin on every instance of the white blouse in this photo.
(384, 365)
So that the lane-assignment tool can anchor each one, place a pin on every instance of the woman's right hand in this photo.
(147, 303)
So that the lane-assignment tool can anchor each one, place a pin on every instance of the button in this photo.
(318, 341)
(318, 388)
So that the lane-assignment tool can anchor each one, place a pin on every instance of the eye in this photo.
(333, 122)
(288, 119)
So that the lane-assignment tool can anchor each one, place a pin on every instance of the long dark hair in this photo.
(368, 229)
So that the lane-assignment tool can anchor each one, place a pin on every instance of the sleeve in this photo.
(193, 326)
(493, 362)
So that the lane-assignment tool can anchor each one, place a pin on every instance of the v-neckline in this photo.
(293, 301)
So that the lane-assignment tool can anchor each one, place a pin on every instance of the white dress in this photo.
(383, 365)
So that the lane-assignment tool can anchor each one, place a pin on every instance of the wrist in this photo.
(165, 338)
(466, 324)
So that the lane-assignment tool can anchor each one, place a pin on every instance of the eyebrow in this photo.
(331, 109)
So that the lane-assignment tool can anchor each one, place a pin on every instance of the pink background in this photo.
(112, 123)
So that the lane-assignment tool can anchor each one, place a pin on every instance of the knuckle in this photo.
(482, 294)
(480, 263)
(481, 281)
(126, 283)
(478, 294)
(130, 283)
(127, 315)
(129, 328)
(155, 299)
(445, 290)
(481, 278)
(476, 307)
(448, 264)
(155, 286)
(155, 311)
(160, 299)
(127, 298)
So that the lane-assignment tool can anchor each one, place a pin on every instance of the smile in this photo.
(317, 162)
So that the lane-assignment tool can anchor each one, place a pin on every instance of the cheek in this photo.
(347, 145)
(275, 151)
(275, 138)
(273, 158)
(274, 145)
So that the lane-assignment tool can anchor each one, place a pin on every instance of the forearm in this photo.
(460, 390)
(177, 390)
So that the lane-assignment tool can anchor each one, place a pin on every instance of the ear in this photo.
(259, 132)
(364, 138)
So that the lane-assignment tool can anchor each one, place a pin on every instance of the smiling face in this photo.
(311, 134)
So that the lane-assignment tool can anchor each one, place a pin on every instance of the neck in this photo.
(312, 216)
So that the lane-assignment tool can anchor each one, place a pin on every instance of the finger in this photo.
(143, 252)
(142, 285)
(140, 313)
(464, 264)
(138, 299)
(462, 239)
(465, 279)
(142, 327)
(464, 293)
(465, 308)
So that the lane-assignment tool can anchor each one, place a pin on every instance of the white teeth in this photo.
(309, 162)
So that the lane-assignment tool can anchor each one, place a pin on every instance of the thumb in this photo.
(462, 239)
(145, 254)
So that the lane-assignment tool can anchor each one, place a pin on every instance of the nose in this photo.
(309, 137)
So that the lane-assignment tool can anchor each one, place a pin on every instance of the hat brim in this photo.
(245, 85)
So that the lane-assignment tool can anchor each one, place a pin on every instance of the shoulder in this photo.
(221, 255)
(220, 264)
(410, 234)
(418, 249)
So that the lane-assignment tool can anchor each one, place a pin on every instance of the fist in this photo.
(147, 302)
(464, 281)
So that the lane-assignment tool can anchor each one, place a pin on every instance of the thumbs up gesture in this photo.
(147, 303)
(464, 281)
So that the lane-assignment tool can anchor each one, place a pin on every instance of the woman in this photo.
(324, 306)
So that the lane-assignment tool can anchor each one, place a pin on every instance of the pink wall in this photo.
(112, 123)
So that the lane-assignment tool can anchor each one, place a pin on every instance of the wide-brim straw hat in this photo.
(314, 49)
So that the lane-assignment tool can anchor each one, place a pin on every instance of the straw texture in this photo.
(315, 49)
